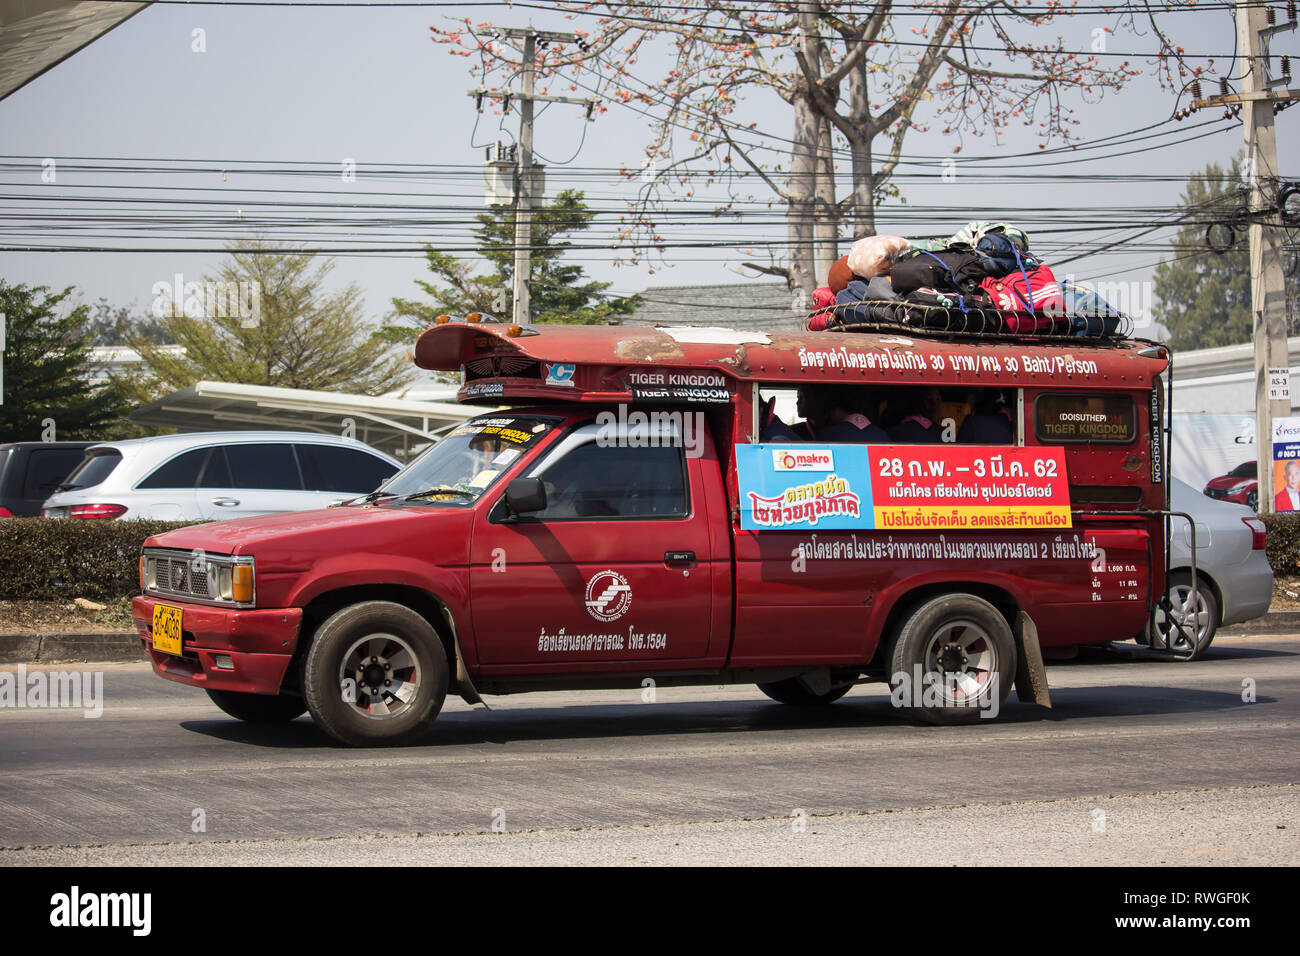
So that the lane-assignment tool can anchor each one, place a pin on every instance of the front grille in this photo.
(194, 575)
(177, 576)
(1215, 493)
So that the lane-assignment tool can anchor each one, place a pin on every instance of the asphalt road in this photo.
(1139, 761)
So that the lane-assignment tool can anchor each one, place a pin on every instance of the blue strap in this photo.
(1028, 291)
(946, 267)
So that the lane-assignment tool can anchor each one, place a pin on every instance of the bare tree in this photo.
(862, 72)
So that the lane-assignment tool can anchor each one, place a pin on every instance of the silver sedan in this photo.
(1234, 582)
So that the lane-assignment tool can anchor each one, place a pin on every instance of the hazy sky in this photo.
(321, 86)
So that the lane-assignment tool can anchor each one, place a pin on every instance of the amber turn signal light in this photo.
(242, 591)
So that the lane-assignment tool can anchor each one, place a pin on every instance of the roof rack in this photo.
(893, 315)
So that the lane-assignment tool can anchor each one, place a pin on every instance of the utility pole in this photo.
(1257, 101)
(524, 202)
(525, 170)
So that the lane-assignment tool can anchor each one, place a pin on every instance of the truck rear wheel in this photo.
(954, 658)
(792, 691)
(376, 675)
(258, 708)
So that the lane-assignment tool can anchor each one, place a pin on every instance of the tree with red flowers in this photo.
(864, 73)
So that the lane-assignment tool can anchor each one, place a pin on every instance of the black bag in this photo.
(849, 301)
(956, 269)
(1001, 252)
(948, 311)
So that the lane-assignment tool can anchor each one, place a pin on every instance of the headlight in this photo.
(1239, 487)
(224, 581)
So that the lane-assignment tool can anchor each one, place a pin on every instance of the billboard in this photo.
(901, 487)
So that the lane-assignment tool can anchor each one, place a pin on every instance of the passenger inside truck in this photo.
(989, 423)
(918, 411)
(837, 413)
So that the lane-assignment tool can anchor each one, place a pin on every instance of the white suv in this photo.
(212, 476)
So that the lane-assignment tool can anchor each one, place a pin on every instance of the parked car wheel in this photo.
(961, 649)
(1194, 607)
(258, 708)
(376, 675)
(794, 693)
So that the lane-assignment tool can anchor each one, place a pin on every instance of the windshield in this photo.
(469, 460)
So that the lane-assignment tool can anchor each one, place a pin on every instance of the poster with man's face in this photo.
(1286, 464)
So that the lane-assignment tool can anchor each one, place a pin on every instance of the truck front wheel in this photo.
(954, 660)
(375, 675)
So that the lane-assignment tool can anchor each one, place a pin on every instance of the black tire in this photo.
(1252, 500)
(385, 648)
(985, 655)
(792, 692)
(258, 708)
(1207, 610)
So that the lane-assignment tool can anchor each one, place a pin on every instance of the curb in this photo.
(32, 648)
(1274, 622)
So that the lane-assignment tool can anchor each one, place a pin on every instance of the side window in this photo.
(47, 469)
(269, 466)
(181, 472)
(616, 482)
(332, 468)
(216, 472)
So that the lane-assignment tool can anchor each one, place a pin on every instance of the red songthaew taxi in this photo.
(800, 511)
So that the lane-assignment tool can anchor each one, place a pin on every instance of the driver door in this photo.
(615, 570)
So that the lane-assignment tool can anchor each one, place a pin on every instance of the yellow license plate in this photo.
(167, 629)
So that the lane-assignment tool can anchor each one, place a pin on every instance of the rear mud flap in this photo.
(1031, 674)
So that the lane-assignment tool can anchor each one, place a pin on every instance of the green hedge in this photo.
(1283, 543)
(65, 558)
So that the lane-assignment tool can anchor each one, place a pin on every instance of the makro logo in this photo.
(799, 459)
(75, 909)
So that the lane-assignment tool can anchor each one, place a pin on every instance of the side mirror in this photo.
(524, 495)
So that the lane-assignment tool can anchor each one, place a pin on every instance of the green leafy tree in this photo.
(559, 292)
(1201, 297)
(47, 363)
(263, 319)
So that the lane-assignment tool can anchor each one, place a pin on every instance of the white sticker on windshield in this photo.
(506, 457)
(483, 478)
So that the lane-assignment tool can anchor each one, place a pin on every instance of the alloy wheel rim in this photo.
(379, 676)
(964, 659)
(1188, 609)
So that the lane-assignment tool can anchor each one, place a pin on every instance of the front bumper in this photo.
(259, 645)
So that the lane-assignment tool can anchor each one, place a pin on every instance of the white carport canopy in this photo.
(394, 425)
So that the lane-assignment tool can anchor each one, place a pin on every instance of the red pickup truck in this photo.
(641, 503)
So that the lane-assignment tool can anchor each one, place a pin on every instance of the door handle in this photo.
(225, 502)
(679, 557)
